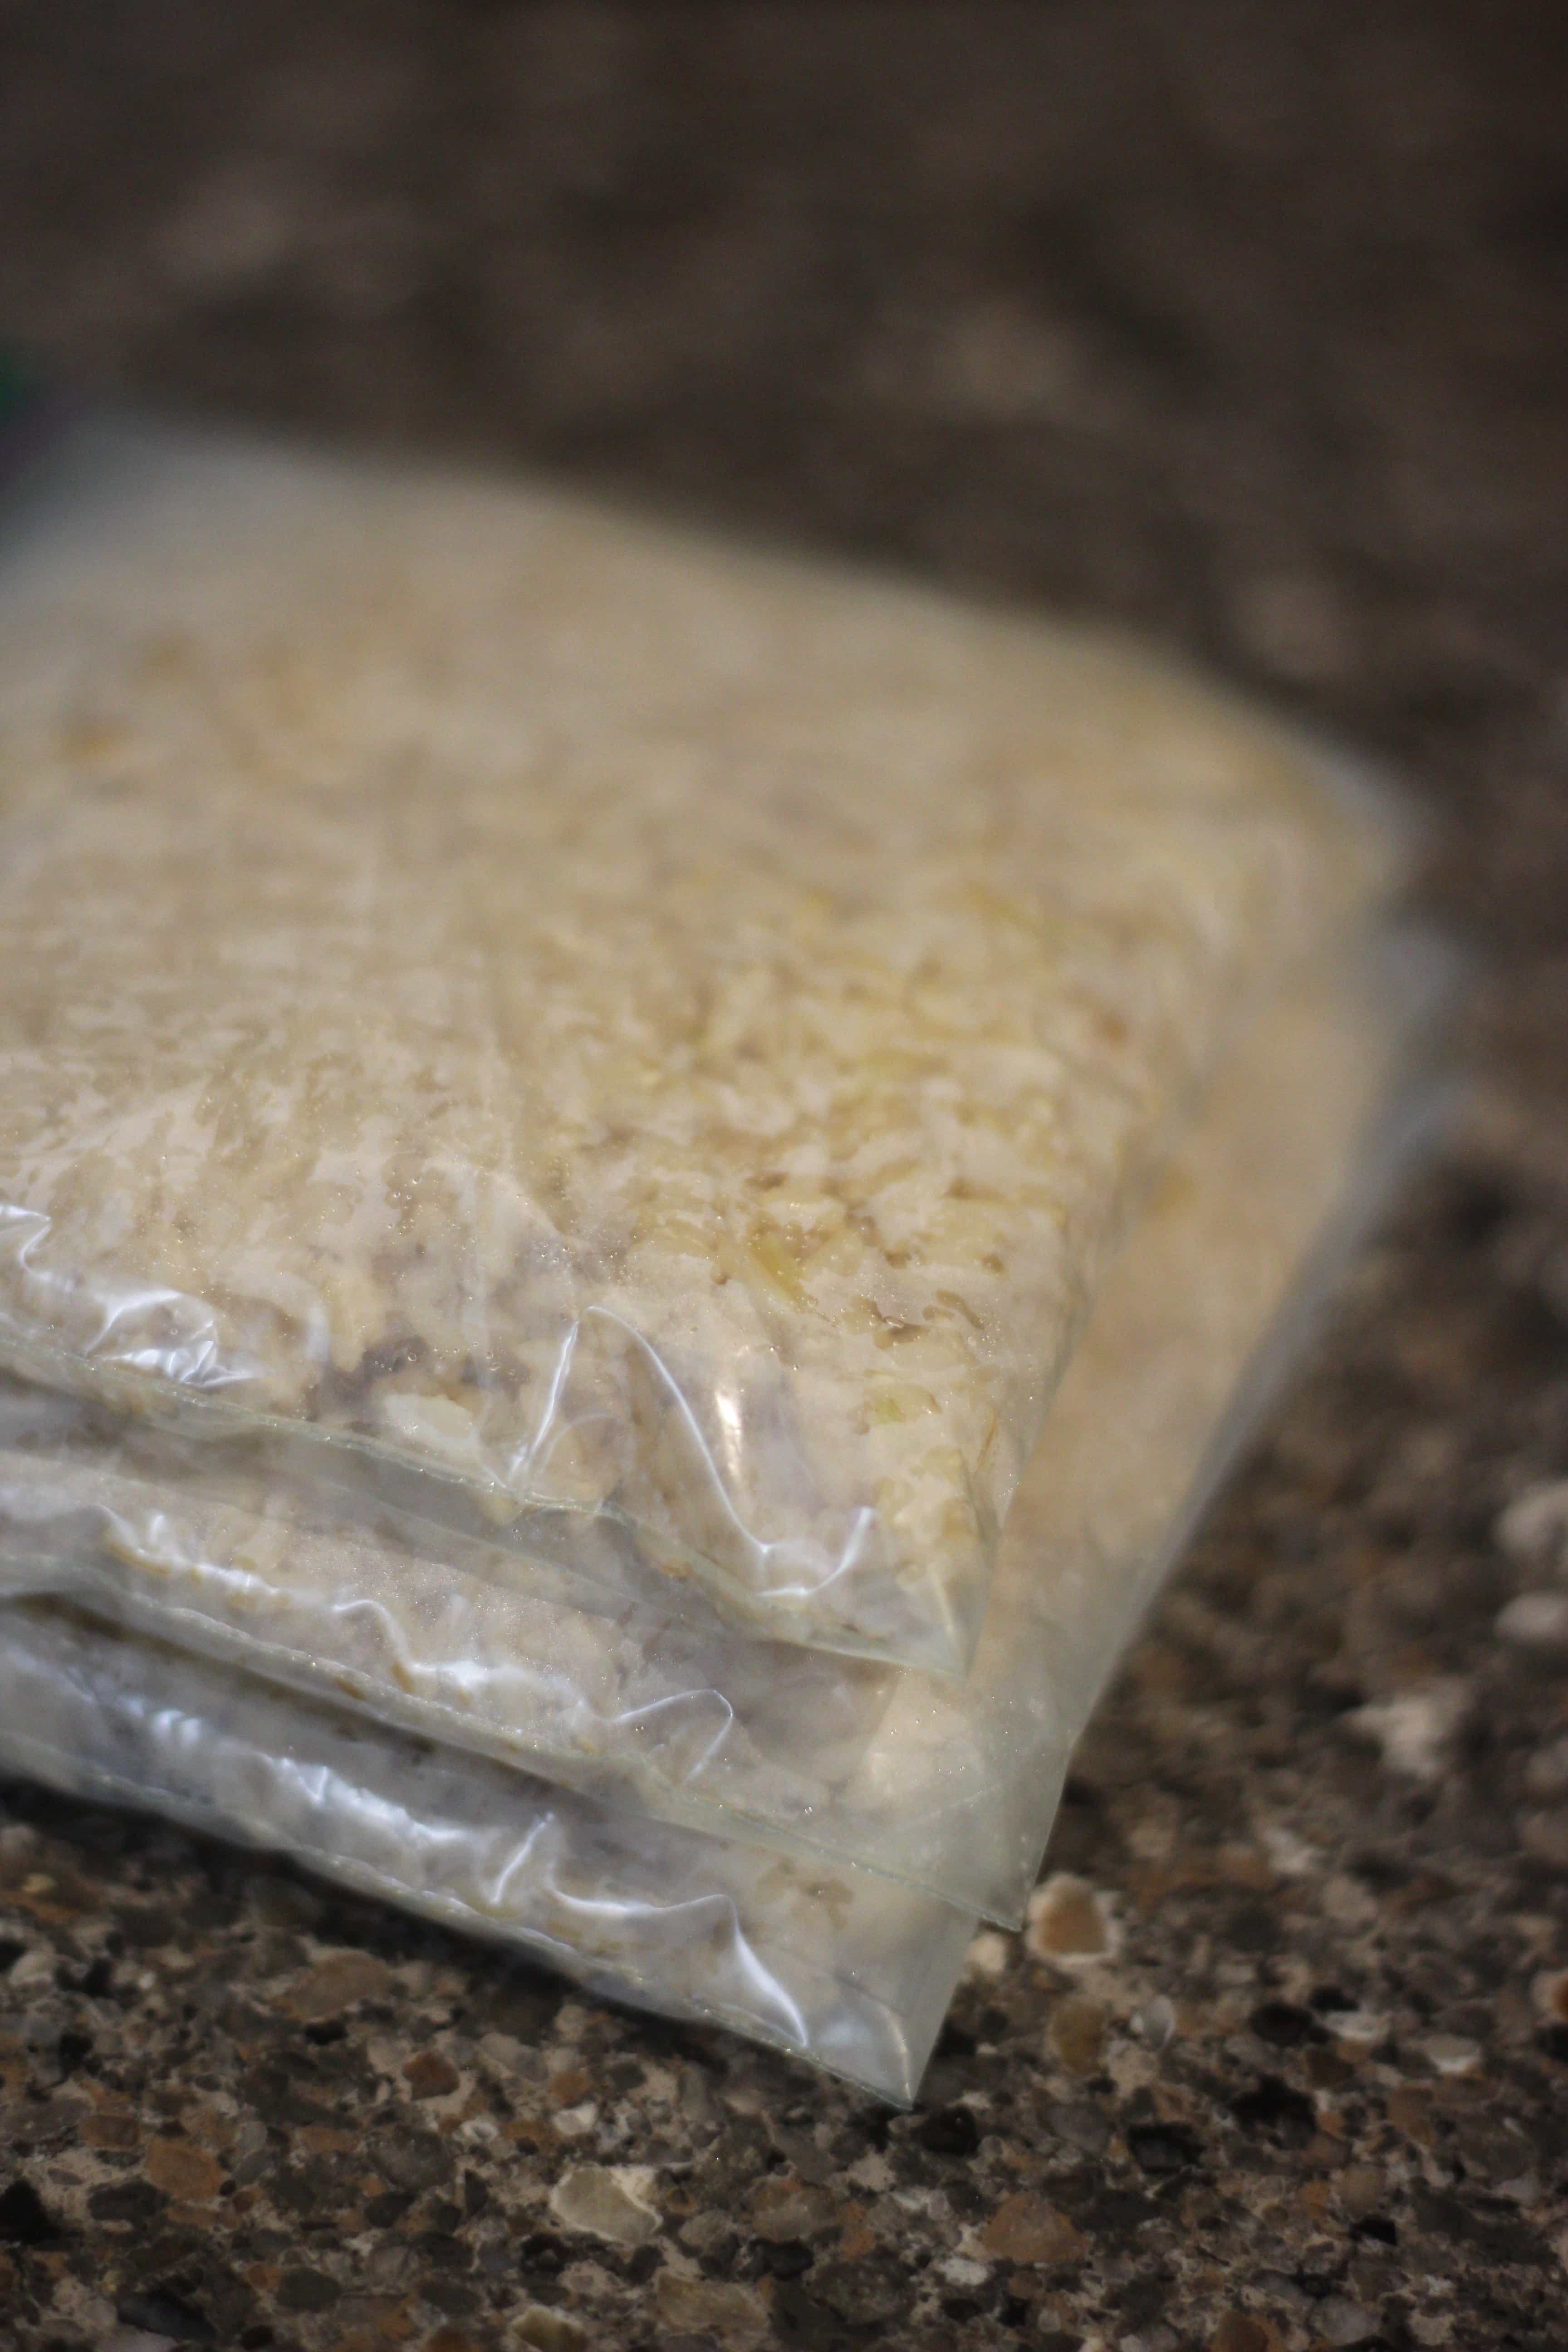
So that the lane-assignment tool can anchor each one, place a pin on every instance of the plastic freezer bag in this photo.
(841, 1969)
(948, 1787)
(623, 1025)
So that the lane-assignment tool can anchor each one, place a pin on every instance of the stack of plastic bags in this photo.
(642, 1188)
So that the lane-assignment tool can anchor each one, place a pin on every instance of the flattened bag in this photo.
(948, 1787)
(612, 1032)
(837, 1967)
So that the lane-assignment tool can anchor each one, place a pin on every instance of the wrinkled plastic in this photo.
(949, 1788)
(647, 1042)
(836, 1967)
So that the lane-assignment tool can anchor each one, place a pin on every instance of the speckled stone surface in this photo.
(1248, 324)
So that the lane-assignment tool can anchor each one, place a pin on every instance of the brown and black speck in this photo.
(1248, 325)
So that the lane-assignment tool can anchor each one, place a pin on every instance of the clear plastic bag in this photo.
(949, 1788)
(598, 1027)
(837, 1967)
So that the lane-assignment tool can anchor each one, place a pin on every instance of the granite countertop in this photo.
(1249, 326)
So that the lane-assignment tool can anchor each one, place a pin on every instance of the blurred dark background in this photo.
(1242, 321)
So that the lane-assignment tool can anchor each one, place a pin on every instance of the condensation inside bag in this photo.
(948, 1787)
(618, 1027)
(837, 1967)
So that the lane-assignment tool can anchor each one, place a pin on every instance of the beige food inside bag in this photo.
(948, 1787)
(620, 1026)
(837, 1967)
